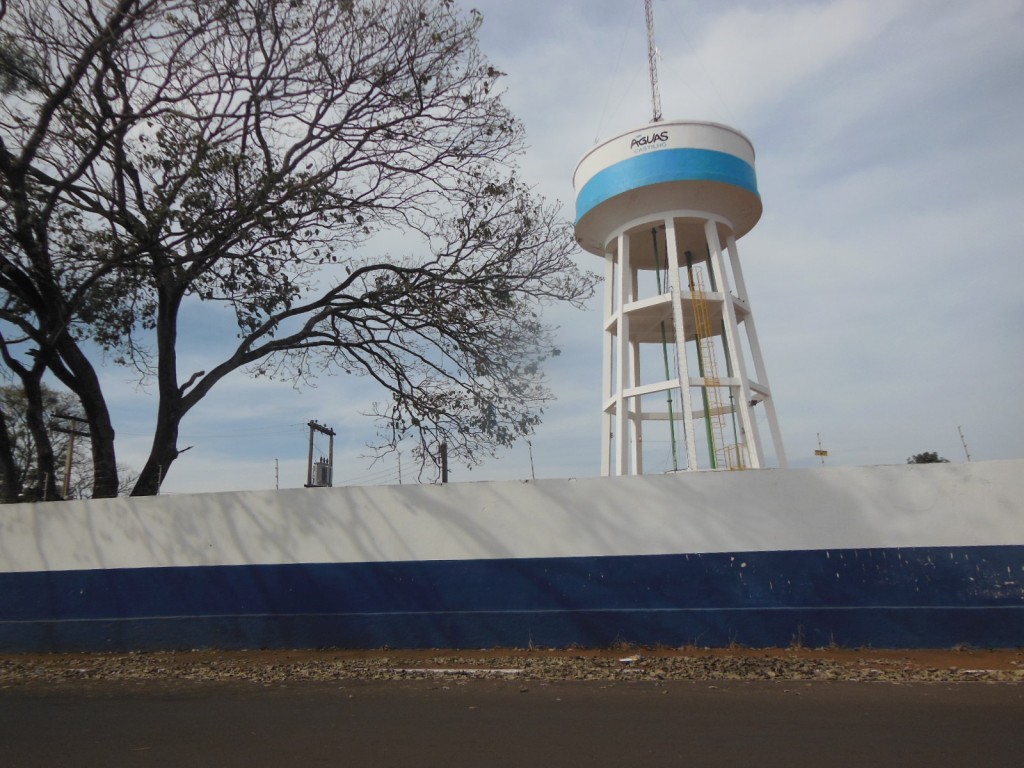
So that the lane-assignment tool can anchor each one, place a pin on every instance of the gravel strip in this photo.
(282, 668)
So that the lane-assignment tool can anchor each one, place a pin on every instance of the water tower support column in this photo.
(676, 289)
(760, 370)
(607, 369)
(737, 364)
(623, 360)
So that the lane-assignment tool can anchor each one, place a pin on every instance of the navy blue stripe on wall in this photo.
(878, 577)
(926, 596)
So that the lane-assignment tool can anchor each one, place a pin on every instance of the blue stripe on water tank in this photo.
(662, 166)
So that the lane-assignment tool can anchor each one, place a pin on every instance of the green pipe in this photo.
(664, 350)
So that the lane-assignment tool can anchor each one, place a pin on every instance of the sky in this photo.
(885, 276)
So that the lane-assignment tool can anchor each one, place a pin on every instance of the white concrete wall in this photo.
(854, 507)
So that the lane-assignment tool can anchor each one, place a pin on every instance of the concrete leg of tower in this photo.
(626, 376)
(676, 294)
(754, 345)
(607, 366)
(730, 333)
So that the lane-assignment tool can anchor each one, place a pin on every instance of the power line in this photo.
(264, 431)
(372, 478)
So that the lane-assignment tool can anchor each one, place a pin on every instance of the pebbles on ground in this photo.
(281, 667)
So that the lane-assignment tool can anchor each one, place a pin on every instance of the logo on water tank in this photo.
(644, 142)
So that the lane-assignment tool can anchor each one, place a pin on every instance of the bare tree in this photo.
(245, 152)
(23, 431)
(21, 476)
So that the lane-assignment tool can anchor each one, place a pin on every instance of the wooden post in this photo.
(71, 433)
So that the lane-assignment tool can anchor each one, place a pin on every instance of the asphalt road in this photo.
(492, 723)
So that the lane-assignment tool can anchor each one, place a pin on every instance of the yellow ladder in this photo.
(725, 455)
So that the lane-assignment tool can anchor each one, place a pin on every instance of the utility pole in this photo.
(444, 463)
(964, 441)
(310, 479)
(71, 433)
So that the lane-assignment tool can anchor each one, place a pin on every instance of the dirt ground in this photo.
(619, 663)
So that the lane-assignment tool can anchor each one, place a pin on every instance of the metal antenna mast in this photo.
(652, 61)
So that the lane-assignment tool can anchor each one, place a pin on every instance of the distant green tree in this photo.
(928, 457)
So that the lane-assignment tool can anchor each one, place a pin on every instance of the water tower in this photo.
(664, 206)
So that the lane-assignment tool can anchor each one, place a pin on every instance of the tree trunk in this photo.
(46, 488)
(84, 382)
(10, 475)
(169, 410)
(162, 454)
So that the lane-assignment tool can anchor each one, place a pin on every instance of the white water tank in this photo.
(663, 206)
